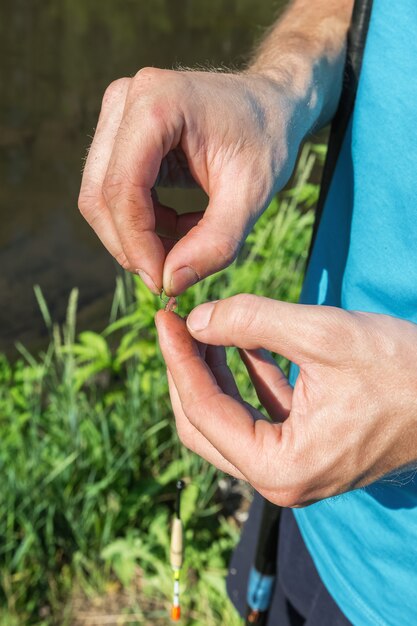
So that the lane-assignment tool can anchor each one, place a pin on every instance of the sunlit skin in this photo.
(236, 135)
(350, 420)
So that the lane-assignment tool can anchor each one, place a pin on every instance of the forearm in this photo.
(305, 52)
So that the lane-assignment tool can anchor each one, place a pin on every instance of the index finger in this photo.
(144, 137)
(193, 439)
(91, 201)
(226, 423)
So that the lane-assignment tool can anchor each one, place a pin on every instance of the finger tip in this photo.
(158, 316)
(150, 283)
(164, 318)
(163, 315)
(199, 318)
(178, 280)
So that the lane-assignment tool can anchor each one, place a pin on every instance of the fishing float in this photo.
(177, 553)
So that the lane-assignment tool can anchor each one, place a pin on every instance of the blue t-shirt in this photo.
(364, 543)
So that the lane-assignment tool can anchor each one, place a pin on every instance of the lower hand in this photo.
(350, 420)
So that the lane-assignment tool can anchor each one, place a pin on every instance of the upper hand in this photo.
(350, 420)
(234, 135)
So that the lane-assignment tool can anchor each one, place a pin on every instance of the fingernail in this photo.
(183, 278)
(148, 281)
(200, 317)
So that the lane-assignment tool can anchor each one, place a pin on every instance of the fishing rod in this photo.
(177, 553)
(263, 572)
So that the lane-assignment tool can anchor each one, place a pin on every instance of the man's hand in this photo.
(350, 420)
(234, 135)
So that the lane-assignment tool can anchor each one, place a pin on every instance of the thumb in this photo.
(301, 333)
(214, 242)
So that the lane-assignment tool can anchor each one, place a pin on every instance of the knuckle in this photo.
(145, 88)
(378, 335)
(226, 249)
(326, 332)
(224, 245)
(84, 203)
(88, 203)
(192, 411)
(337, 325)
(122, 260)
(92, 212)
(244, 312)
(117, 89)
(147, 73)
(291, 498)
(301, 484)
(151, 86)
(289, 493)
(245, 301)
(286, 496)
(152, 74)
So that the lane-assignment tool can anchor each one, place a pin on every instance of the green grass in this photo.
(89, 455)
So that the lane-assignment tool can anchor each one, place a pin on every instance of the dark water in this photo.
(56, 58)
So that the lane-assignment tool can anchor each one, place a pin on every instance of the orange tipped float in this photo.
(177, 554)
(175, 613)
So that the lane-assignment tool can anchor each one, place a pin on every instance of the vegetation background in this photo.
(89, 456)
